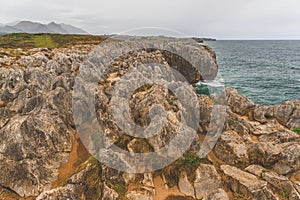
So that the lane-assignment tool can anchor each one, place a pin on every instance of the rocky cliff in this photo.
(257, 155)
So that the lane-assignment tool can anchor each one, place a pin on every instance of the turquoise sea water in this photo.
(267, 72)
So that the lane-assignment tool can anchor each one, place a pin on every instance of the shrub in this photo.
(297, 130)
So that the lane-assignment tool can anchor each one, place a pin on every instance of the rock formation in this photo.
(256, 157)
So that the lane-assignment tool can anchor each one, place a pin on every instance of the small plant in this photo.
(285, 195)
(171, 101)
(188, 163)
(266, 170)
(296, 130)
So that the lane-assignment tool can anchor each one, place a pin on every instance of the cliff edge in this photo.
(257, 155)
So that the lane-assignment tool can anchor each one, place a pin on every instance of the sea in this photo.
(267, 72)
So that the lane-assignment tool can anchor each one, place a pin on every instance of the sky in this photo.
(221, 19)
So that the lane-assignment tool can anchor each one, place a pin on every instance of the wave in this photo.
(212, 83)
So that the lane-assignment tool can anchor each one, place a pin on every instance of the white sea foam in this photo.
(212, 83)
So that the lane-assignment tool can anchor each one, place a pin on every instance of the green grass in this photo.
(297, 130)
(266, 170)
(44, 41)
(27, 41)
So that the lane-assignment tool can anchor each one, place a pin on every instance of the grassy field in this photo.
(24, 40)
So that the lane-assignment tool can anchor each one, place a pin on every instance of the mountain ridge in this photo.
(36, 27)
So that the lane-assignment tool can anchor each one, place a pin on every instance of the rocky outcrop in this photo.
(257, 155)
(232, 143)
(208, 183)
(246, 184)
(185, 186)
(36, 129)
(237, 102)
(286, 114)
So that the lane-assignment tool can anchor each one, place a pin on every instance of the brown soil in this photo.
(161, 192)
(296, 176)
(78, 155)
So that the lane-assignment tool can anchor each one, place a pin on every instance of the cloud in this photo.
(212, 18)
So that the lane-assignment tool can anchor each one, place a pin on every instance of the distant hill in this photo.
(72, 29)
(35, 27)
(9, 29)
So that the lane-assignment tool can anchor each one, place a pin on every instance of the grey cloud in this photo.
(211, 18)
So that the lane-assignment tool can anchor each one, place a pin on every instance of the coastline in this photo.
(257, 155)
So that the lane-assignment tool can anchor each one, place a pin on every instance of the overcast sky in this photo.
(221, 19)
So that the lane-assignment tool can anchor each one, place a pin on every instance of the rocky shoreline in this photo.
(256, 157)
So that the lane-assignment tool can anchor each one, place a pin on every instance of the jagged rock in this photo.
(257, 170)
(294, 120)
(280, 136)
(262, 113)
(85, 183)
(5, 115)
(288, 113)
(6, 61)
(36, 125)
(60, 193)
(238, 103)
(37, 128)
(246, 184)
(282, 184)
(218, 194)
(283, 112)
(207, 182)
(290, 158)
(259, 129)
(133, 195)
(264, 153)
(185, 186)
(205, 112)
(232, 149)
(109, 194)
(37, 142)
(283, 157)
(297, 186)
(36, 60)
(236, 123)
(148, 184)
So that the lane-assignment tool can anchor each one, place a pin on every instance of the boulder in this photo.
(133, 195)
(207, 182)
(281, 184)
(246, 184)
(232, 149)
(185, 186)
(238, 103)
(257, 170)
(218, 194)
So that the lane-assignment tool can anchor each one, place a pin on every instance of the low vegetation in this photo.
(297, 130)
(188, 163)
(45, 40)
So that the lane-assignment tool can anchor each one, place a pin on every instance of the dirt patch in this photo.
(296, 177)
(78, 155)
(162, 193)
